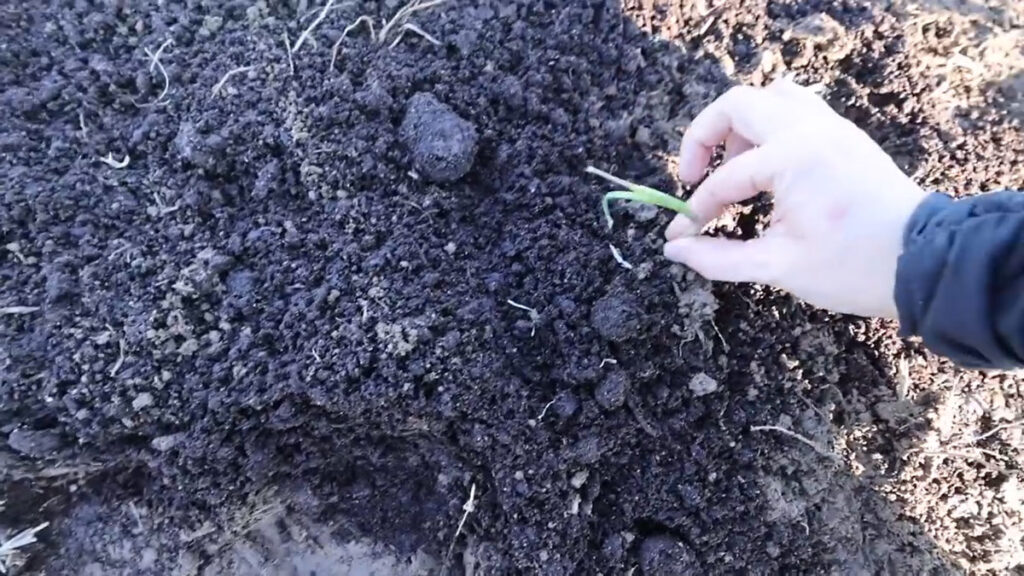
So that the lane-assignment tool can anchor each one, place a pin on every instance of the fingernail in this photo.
(678, 250)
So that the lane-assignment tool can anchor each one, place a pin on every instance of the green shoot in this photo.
(639, 193)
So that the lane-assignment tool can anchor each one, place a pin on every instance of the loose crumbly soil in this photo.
(256, 340)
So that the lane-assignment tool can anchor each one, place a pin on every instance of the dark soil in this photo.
(304, 282)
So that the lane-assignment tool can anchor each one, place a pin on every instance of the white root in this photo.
(618, 258)
(309, 30)
(534, 315)
(120, 358)
(288, 51)
(223, 80)
(545, 409)
(115, 164)
(155, 64)
(817, 448)
(992, 432)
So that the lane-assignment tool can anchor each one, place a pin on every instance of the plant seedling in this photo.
(639, 193)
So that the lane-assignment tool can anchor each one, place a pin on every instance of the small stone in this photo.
(142, 401)
(188, 347)
(579, 479)
(613, 548)
(611, 392)
(211, 24)
(266, 179)
(587, 450)
(441, 143)
(702, 384)
(165, 443)
(34, 443)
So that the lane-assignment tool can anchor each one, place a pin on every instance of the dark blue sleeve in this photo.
(960, 279)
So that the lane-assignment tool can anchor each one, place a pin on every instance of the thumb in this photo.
(725, 260)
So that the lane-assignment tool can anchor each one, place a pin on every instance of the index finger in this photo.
(752, 113)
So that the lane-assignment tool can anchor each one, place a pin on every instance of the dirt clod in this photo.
(664, 555)
(611, 391)
(441, 143)
(616, 317)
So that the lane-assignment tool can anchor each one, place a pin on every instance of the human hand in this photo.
(840, 203)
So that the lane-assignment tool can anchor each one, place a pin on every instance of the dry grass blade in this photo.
(402, 16)
(223, 80)
(10, 546)
(345, 33)
(410, 27)
(467, 508)
(17, 310)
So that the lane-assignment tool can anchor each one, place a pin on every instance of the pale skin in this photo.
(840, 203)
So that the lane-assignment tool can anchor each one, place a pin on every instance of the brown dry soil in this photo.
(275, 331)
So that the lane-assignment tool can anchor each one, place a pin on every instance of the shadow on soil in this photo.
(270, 342)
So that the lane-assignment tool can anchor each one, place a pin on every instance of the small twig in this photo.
(17, 310)
(468, 507)
(997, 429)
(534, 315)
(115, 164)
(288, 50)
(120, 358)
(305, 33)
(618, 258)
(223, 80)
(607, 361)
(410, 27)
(81, 125)
(345, 33)
(817, 448)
